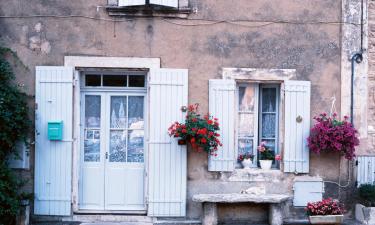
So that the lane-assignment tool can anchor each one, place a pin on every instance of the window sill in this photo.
(142, 11)
(256, 175)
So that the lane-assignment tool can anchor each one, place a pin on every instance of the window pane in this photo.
(245, 146)
(117, 148)
(92, 111)
(135, 146)
(115, 80)
(246, 124)
(93, 80)
(136, 81)
(92, 146)
(118, 112)
(269, 99)
(247, 98)
(269, 125)
(270, 144)
(136, 112)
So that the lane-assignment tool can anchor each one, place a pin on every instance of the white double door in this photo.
(112, 175)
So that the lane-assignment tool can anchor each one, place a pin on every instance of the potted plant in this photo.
(365, 210)
(200, 132)
(333, 134)
(246, 160)
(326, 211)
(266, 156)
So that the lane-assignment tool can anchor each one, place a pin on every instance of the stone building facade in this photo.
(315, 39)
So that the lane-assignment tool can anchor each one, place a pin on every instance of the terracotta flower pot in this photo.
(329, 219)
(247, 163)
(265, 164)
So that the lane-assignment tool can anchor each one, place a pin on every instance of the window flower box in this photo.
(326, 211)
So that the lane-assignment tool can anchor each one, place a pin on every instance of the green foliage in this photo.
(367, 194)
(14, 127)
(14, 121)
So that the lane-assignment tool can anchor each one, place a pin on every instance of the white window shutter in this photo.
(168, 3)
(20, 160)
(365, 170)
(53, 159)
(297, 126)
(222, 106)
(131, 2)
(168, 91)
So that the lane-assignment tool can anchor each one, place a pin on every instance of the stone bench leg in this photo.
(275, 214)
(209, 213)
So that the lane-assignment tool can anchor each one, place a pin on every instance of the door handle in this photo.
(106, 155)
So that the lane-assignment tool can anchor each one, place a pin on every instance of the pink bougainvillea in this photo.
(331, 134)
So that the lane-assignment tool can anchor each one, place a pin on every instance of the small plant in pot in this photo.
(365, 211)
(266, 156)
(246, 160)
(327, 211)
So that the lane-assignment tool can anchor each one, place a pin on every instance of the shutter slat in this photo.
(297, 103)
(167, 159)
(222, 106)
(131, 2)
(53, 159)
(168, 3)
(366, 170)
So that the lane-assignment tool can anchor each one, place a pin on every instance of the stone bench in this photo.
(210, 202)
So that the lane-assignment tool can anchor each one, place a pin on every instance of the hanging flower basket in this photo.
(332, 134)
(200, 132)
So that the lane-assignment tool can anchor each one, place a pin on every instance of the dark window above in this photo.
(173, 8)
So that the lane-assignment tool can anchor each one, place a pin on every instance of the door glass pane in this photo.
(92, 128)
(246, 124)
(245, 146)
(92, 146)
(135, 146)
(136, 112)
(115, 80)
(93, 80)
(118, 112)
(269, 125)
(136, 81)
(268, 99)
(92, 111)
(247, 98)
(117, 147)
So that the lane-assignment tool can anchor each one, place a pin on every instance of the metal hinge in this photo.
(356, 162)
(106, 155)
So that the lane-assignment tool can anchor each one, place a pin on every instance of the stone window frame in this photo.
(261, 75)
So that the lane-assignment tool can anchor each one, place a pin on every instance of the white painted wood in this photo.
(53, 159)
(131, 2)
(91, 183)
(222, 106)
(167, 160)
(21, 159)
(106, 185)
(297, 103)
(168, 3)
(366, 170)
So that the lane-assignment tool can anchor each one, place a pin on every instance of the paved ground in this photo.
(348, 222)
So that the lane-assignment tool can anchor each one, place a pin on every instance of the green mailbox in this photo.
(55, 130)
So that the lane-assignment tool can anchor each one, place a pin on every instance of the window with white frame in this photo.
(257, 117)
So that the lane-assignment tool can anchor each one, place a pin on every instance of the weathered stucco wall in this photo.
(311, 44)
